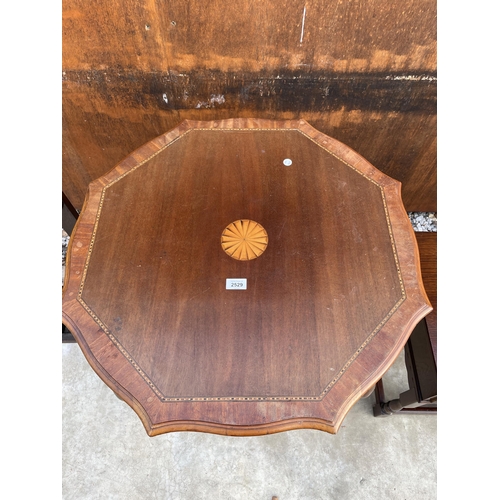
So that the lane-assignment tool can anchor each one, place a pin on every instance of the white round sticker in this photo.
(287, 162)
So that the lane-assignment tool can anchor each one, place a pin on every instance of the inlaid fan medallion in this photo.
(244, 239)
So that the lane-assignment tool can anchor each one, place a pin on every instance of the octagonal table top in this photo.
(243, 277)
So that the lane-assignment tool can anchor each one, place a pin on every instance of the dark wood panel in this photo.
(258, 35)
(364, 72)
(318, 91)
(97, 134)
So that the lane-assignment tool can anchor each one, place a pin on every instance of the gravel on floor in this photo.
(65, 243)
(424, 222)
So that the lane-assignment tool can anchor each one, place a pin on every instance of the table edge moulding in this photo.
(244, 416)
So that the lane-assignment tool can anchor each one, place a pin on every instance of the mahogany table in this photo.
(243, 277)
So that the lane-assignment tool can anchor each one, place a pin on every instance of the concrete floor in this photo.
(108, 455)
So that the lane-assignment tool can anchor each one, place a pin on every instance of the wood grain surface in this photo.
(330, 303)
(363, 72)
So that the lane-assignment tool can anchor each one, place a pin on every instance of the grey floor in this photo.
(108, 455)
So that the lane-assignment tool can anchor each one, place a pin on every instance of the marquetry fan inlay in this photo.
(244, 239)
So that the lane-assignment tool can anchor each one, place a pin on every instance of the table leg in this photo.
(67, 336)
(422, 393)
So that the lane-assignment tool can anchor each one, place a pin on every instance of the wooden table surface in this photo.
(326, 285)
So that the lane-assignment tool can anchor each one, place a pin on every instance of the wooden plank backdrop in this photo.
(363, 72)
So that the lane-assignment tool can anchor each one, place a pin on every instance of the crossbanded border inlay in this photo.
(145, 376)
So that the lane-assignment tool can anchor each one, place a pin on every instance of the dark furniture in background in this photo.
(421, 348)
